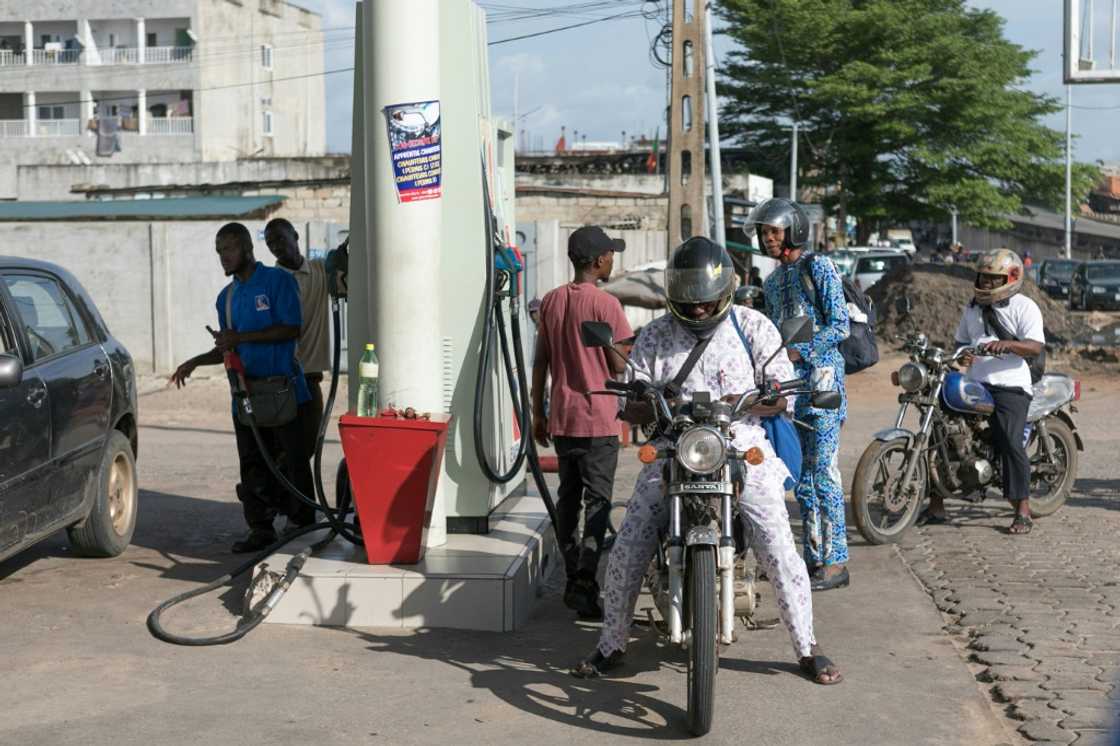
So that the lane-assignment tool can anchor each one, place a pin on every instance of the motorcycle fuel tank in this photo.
(966, 396)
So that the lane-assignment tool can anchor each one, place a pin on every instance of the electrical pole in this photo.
(1069, 171)
(793, 166)
(718, 232)
(687, 214)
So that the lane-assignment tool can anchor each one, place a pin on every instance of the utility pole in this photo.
(687, 213)
(718, 232)
(793, 166)
(1069, 171)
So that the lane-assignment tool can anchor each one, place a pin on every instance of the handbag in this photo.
(779, 430)
(272, 400)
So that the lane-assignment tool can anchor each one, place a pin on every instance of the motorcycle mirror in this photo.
(796, 330)
(596, 334)
(826, 399)
(11, 371)
(903, 305)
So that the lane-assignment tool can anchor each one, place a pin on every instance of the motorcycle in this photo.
(704, 536)
(951, 453)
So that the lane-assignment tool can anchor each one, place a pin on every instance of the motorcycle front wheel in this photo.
(883, 511)
(703, 654)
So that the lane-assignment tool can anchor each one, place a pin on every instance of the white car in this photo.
(870, 267)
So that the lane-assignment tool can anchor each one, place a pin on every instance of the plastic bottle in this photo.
(367, 383)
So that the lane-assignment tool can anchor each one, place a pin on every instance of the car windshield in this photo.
(1058, 271)
(1104, 272)
(875, 264)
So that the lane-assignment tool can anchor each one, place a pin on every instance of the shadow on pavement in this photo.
(1096, 493)
(529, 671)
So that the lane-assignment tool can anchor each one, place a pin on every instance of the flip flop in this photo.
(926, 518)
(816, 667)
(1020, 526)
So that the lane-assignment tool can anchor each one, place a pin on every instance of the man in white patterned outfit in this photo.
(700, 286)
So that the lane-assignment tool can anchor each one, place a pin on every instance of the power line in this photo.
(630, 14)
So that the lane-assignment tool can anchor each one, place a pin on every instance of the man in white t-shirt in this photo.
(997, 303)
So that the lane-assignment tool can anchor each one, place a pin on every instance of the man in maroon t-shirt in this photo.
(584, 428)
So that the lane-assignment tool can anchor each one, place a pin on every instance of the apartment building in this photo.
(173, 81)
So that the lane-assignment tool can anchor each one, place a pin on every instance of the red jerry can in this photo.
(394, 467)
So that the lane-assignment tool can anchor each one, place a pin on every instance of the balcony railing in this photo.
(53, 57)
(170, 126)
(167, 55)
(120, 56)
(43, 128)
(8, 57)
(13, 128)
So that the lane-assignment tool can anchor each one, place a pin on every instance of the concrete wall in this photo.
(23, 10)
(646, 213)
(155, 283)
(54, 181)
(643, 183)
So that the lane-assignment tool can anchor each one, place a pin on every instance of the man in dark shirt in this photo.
(262, 328)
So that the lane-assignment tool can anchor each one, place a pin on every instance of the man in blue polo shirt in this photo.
(266, 317)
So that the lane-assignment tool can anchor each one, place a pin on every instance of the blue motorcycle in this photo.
(950, 453)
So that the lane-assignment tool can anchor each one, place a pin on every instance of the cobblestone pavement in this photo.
(1038, 615)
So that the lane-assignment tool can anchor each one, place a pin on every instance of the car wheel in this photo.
(107, 530)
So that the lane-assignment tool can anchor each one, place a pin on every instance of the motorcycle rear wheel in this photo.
(1047, 495)
(872, 479)
(703, 653)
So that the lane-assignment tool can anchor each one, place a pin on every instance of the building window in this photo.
(266, 125)
(152, 40)
(266, 56)
(52, 112)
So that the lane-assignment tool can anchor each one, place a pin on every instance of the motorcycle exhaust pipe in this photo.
(727, 572)
(676, 574)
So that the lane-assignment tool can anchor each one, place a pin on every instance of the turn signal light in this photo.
(647, 454)
(894, 377)
(754, 456)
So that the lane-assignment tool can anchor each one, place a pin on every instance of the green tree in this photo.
(905, 108)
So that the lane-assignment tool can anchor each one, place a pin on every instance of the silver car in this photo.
(870, 267)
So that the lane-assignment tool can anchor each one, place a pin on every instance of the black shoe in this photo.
(821, 582)
(597, 664)
(256, 540)
(582, 595)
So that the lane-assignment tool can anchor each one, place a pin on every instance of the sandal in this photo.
(819, 668)
(1021, 525)
(597, 664)
(926, 518)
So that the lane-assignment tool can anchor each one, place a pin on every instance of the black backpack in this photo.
(860, 350)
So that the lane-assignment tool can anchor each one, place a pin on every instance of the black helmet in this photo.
(784, 214)
(699, 271)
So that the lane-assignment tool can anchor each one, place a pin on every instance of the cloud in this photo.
(524, 63)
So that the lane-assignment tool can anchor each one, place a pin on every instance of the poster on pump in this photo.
(414, 143)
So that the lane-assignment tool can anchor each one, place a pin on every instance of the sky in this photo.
(599, 79)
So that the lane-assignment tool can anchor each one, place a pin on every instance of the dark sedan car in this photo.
(1095, 285)
(67, 416)
(1054, 276)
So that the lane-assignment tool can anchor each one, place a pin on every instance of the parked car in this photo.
(1095, 285)
(872, 266)
(1054, 276)
(68, 437)
(844, 259)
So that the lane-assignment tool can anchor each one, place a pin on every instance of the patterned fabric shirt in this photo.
(724, 368)
(821, 361)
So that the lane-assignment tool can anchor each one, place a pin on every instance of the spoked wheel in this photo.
(703, 655)
(884, 511)
(1052, 480)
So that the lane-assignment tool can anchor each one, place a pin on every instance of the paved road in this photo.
(88, 672)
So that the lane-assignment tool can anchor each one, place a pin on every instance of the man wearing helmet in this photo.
(997, 302)
(700, 286)
(783, 233)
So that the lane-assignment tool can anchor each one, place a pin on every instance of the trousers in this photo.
(587, 467)
(763, 509)
(261, 494)
(820, 494)
(1008, 422)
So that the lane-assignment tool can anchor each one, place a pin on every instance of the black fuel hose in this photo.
(335, 521)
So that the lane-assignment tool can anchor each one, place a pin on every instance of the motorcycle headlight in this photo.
(912, 377)
(701, 450)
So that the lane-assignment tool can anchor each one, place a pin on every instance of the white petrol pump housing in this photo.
(418, 269)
